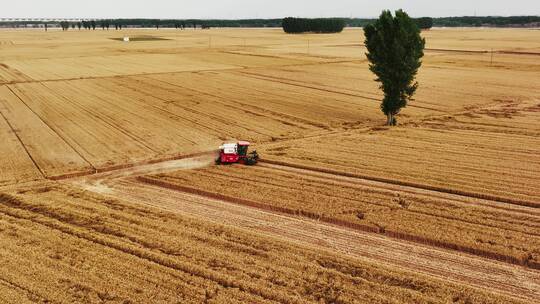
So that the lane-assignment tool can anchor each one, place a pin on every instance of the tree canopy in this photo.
(318, 25)
(424, 23)
(395, 49)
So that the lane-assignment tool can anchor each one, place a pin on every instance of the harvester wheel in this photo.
(250, 161)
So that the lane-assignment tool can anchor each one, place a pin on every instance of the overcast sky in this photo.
(233, 9)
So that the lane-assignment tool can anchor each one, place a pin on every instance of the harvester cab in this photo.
(231, 153)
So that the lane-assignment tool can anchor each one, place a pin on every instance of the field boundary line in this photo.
(482, 196)
(52, 129)
(23, 146)
(341, 223)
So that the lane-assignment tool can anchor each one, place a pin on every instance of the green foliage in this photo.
(424, 23)
(395, 49)
(492, 21)
(319, 25)
(64, 25)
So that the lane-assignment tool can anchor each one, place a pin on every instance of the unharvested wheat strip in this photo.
(51, 153)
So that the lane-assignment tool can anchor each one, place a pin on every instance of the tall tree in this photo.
(395, 49)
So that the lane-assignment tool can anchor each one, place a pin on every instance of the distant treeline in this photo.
(317, 25)
(516, 21)
(313, 25)
(145, 23)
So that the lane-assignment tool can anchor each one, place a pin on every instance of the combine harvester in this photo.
(232, 153)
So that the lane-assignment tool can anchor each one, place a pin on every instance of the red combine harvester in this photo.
(232, 153)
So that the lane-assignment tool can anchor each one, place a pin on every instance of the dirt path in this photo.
(497, 277)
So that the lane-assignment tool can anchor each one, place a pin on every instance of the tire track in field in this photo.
(497, 277)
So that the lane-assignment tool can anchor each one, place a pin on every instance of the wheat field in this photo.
(102, 198)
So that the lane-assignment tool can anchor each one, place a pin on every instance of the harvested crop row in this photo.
(495, 233)
(167, 258)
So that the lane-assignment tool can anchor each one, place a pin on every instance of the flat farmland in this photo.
(508, 234)
(108, 151)
(117, 251)
(491, 152)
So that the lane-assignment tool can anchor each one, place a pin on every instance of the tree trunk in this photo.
(389, 119)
